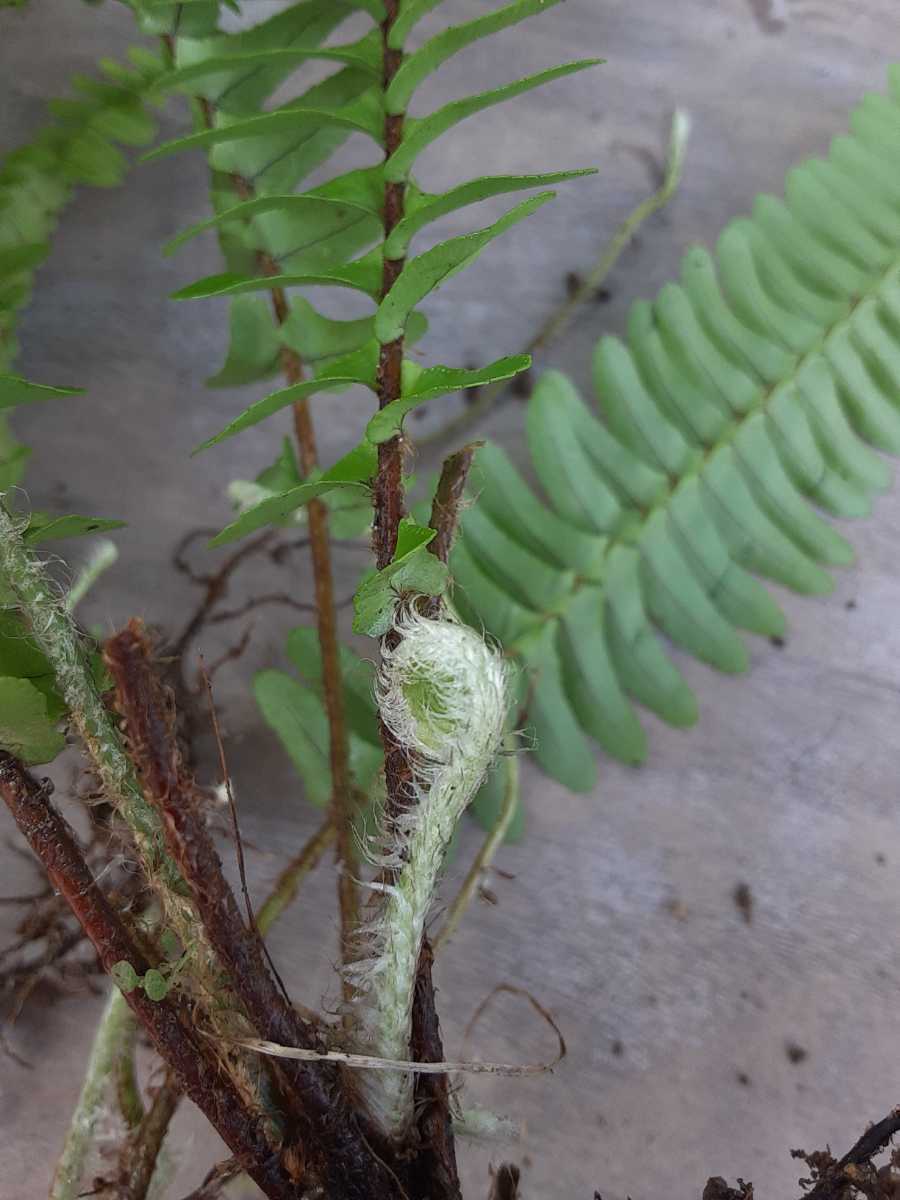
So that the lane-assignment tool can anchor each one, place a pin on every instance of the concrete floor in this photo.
(620, 916)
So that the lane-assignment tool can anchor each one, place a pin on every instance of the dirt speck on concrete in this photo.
(795, 1053)
(743, 900)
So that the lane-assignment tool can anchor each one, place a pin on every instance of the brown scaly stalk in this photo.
(342, 791)
(433, 1171)
(167, 1021)
(331, 1144)
(388, 498)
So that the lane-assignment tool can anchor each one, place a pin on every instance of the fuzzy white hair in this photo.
(443, 693)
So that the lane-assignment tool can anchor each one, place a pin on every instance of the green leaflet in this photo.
(253, 347)
(361, 116)
(413, 569)
(44, 527)
(188, 18)
(412, 12)
(438, 381)
(315, 216)
(363, 275)
(416, 67)
(350, 510)
(277, 162)
(423, 208)
(15, 390)
(423, 274)
(419, 134)
(354, 470)
(93, 160)
(20, 657)
(14, 259)
(296, 713)
(77, 147)
(594, 482)
(305, 653)
(118, 113)
(284, 473)
(298, 718)
(342, 373)
(215, 76)
(375, 8)
(242, 78)
(26, 730)
(319, 339)
(505, 498)
(307, 232)
(125, 976)
(13, 458)
(359, 192)
(739, 404)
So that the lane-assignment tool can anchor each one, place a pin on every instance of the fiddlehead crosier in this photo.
(443, 693)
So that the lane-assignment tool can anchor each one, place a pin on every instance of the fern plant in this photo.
(353, 231)
(742, 397)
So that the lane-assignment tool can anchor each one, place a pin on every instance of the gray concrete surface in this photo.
(620, 914)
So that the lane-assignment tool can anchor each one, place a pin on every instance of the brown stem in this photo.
(448, 499)
(388, 492)
(387, 495)
(140, 1153)
(331, 1136)
(433, 1170)
(445, 510)
(166, 1021)
(332, 679)
(342, 791)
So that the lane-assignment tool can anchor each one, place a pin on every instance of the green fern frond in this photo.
(739, 404)
(333, 234)
(79, 147)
